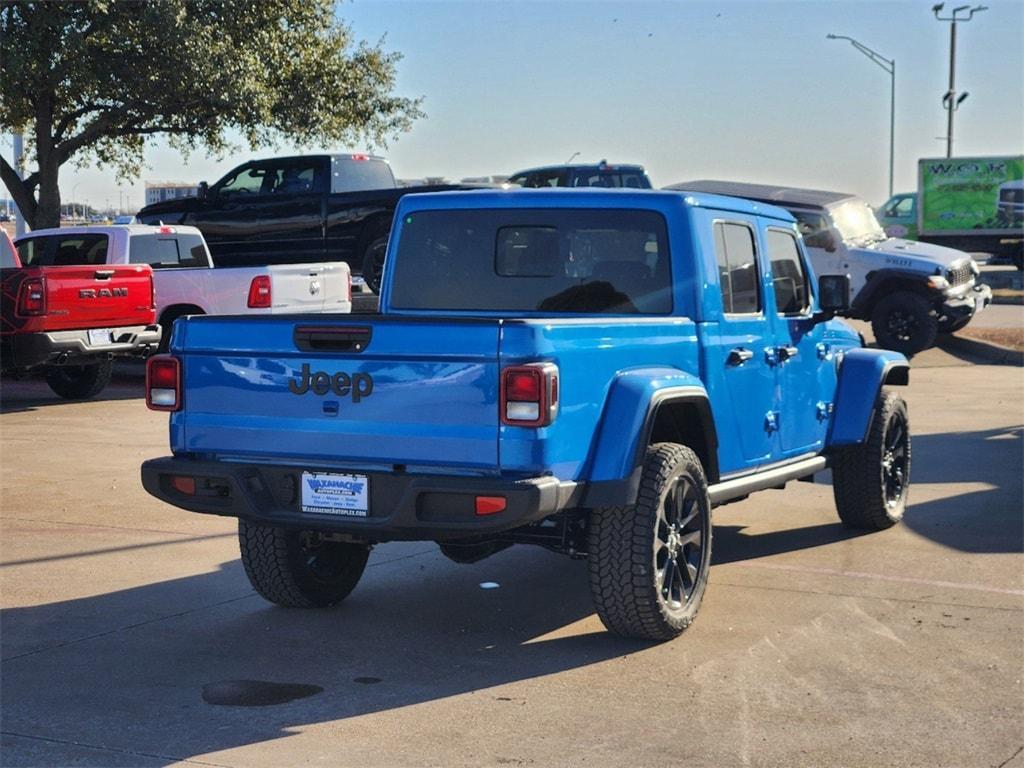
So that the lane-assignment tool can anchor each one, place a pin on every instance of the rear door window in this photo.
(63, 250)
(789, 278)
(737, 268)
(534, 260)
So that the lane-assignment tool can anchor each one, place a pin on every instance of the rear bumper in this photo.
(29, 350)
(402, 506)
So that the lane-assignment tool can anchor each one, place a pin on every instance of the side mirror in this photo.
(203, 191)
(833, 295)
(829, 241)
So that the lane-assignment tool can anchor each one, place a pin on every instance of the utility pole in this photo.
(889, 65)
(950, 100)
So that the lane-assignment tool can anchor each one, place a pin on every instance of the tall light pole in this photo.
(949, 99)
(889, 65)
(73, 189)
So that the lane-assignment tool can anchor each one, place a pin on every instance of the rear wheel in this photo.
(373, 262)
(299, 569)
(904, 322)
(167, 325)
(870, 481)
(649, 562)
(79, 382)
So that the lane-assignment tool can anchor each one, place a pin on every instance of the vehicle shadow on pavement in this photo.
(22, 395)
(124, 672)
(990, 519)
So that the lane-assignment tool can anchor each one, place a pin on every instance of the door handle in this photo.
(785, 353)
(739, 356)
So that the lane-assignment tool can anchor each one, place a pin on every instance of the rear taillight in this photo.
(529, 395)
(163, 383)
(259, 292)
(32, 298)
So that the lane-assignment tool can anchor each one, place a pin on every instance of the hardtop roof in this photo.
(586, 197)
(765, 192)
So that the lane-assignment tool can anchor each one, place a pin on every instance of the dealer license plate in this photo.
(334, 494)
(98, 336)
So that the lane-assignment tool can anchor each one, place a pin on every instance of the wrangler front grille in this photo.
(959, 275)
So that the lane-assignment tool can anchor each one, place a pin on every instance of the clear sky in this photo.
(749, 91)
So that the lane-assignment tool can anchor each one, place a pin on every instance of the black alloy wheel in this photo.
(895, 451)
(679, 544)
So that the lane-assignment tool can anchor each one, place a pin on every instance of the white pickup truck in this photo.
(184, 278)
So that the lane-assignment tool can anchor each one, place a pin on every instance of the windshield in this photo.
(856, 221)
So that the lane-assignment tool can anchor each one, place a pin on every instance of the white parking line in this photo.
(882, 577)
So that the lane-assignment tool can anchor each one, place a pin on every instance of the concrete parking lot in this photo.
(122, 618)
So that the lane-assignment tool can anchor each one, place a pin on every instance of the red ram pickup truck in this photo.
(68, 316)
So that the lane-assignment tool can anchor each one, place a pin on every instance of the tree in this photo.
(96, 81)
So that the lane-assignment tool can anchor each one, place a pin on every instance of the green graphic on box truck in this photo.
(962, 193)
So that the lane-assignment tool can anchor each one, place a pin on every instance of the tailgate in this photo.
(95, 297)
(298, 288)
(370, 391)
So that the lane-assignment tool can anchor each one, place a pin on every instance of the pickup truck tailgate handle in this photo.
(103, 274)
(353, 338)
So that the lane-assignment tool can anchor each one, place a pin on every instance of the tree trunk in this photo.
(47, 212)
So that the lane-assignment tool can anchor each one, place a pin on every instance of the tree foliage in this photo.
(95, 81)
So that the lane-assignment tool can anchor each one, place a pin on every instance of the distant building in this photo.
(158, 191)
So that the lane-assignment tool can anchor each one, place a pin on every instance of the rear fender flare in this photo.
(627, 428)
(862, 374)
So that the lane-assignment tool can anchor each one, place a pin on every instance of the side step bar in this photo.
(768, 478)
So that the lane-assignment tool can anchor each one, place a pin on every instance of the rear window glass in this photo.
(63, 251)
(162, 251)
(628, 179)
(353, 175)
(552, 261)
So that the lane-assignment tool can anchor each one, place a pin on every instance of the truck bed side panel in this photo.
(590, 354)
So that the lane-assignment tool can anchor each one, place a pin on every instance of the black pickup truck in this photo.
(295, 210)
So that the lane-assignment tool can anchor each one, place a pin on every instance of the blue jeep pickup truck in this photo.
(590, 371)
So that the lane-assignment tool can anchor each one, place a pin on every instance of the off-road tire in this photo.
(373, 262)
(280, 566)
(79, 382)
(904, 321)
(624, 557)
(860, 472)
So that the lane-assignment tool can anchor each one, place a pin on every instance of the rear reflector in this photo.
(186, 485)
(259, 292)
(490, 505)
(163, 383)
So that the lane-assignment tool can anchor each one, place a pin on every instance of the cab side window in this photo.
(737, 268)
(789, 278)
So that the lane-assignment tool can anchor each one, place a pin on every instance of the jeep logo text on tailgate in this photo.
(358, 385)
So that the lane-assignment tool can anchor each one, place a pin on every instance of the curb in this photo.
(992, 353)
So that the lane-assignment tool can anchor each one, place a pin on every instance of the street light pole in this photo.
(950, 100)
(889, 65)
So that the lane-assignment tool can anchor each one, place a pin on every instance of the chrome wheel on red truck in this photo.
(649, 562)
(299, 569)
